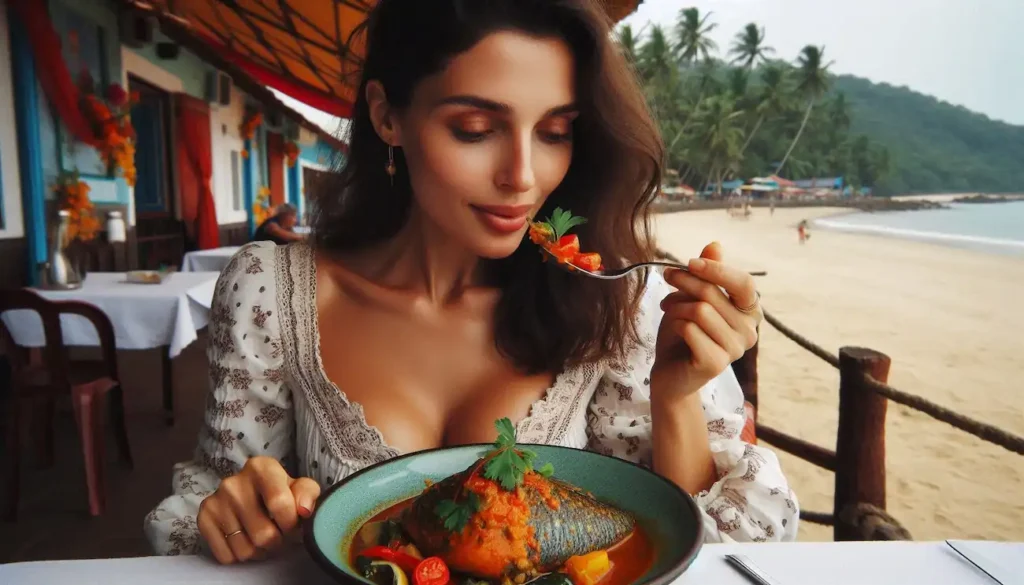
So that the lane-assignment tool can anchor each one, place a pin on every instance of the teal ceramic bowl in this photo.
(669, 516)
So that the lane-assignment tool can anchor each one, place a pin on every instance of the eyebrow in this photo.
(493, 106)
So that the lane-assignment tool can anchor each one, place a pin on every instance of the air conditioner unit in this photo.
(168, 51)
(217, 88)
(135, 28)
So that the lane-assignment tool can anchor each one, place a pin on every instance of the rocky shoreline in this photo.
(979, 198)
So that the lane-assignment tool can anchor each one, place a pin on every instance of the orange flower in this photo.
(73, 196)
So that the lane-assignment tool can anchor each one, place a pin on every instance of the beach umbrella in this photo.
(307, 49)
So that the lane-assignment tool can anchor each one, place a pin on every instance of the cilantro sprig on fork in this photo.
(505, 464)
(561, 221)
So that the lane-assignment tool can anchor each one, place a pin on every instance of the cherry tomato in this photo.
(431, 571)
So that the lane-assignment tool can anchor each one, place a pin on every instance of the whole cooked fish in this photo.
(531, 529)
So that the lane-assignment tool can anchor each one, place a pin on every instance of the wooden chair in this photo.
(38, 383)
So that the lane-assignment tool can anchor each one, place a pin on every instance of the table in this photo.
(213, 260)
(144, 316)
(804, 563)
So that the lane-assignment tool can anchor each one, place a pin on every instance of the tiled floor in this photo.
(54, 521)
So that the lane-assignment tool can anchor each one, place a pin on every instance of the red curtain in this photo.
(51, 70)
(196, 169)
(275, 168)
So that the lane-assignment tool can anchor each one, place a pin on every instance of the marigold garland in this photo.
(261, 206)
(250, 124)
(291, 151)
(111, 119)
(72, 194)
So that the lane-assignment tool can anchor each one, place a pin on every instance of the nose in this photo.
(516, 173)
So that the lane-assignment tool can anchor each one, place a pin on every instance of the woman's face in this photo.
(488, 139)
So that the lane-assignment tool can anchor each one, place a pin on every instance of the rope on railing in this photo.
(983, 431)
(802, 341)
(818, 517)
(873, 523)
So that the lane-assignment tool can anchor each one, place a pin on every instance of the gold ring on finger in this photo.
(750, 308)
(229, 535)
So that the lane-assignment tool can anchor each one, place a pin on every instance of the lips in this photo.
(503, 219)
(507, 211)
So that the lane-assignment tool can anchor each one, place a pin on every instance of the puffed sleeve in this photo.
(752, 500)
(248, 409)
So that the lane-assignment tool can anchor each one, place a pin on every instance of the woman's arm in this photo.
(740, 487)
(288, 235)
(681, 449)
(248, 410)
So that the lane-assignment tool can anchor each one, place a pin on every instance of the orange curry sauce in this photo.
(630, 558)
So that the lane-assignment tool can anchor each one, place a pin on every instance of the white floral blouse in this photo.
(270, 396)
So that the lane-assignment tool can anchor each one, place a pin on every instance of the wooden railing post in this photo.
(745, 369)
(860, 439)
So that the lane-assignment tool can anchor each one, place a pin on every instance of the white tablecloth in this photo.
(810, 563)
(144, 316)
(208, 260)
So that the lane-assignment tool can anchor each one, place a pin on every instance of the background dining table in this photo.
(212, 260)
(166, 316)
(802, 563)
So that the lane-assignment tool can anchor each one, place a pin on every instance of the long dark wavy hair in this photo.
(547, 319)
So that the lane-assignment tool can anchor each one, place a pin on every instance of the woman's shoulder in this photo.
(265, 263)
(256, 279)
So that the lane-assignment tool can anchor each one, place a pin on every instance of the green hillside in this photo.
(934, 146)
(739, 111)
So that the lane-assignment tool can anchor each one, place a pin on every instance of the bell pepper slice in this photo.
(405, 561)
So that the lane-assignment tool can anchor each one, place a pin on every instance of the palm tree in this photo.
(656, 57)
(749, 47)
(812, 82)
(693, 42)
(717, 132)
(628, 43)
(772, 97)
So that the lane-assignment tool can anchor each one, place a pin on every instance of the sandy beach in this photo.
(952, 322)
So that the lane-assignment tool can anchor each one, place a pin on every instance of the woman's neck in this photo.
(422, 261)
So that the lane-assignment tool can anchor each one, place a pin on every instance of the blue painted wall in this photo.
(248, 190)
(100, 51)
(26, 103)
(187, 67)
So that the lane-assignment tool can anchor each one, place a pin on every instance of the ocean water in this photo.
(989, 227)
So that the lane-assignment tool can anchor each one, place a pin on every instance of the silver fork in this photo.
(618, 272)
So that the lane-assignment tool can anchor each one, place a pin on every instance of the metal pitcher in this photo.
(60, 273)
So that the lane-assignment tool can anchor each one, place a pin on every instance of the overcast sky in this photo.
(967, 52)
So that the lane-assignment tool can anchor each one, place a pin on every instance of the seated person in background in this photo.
(280, 227)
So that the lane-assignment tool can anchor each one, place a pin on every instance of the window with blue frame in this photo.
(85, 52)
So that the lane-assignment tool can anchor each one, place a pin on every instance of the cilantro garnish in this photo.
(457, 514)
(505, 464)
(561, 221)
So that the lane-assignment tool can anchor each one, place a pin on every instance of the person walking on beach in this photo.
(801, 229)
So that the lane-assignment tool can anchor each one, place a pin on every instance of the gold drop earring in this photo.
(390, 167)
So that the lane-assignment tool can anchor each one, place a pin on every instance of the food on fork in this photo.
(553, 236)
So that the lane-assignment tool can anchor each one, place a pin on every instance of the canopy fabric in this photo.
(307, 49)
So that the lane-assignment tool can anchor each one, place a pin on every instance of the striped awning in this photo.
(307, 49)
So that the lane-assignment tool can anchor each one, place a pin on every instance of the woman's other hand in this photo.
(705, 328)
(253, 511)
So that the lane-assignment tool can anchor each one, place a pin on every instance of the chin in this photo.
(497, 247)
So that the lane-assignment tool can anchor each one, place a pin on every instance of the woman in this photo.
(279, 228)
(419, 315)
